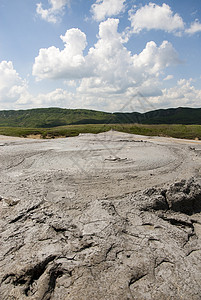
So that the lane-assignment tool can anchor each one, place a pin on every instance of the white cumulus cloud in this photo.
(58, 97)
(12, 86)
(183, 94)
(194, 28)
(108, 68)
(153, 16)
(107, 8)
(67, 63)
(154, 59)
(54, 13)
(168, 77)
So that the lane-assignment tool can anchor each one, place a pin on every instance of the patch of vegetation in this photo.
(173, 130)
(177, 131)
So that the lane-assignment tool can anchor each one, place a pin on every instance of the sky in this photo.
(108, 55)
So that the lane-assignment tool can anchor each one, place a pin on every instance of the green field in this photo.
(177, 131)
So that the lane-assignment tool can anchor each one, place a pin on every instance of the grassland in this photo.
(177, 131)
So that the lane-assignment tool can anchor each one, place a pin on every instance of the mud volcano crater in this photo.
(107, 216)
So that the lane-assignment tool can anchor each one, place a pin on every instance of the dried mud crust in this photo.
(65, 234)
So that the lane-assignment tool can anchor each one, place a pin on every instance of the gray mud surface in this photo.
(110, 216)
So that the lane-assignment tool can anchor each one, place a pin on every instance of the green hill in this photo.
(181, 115)
(52, 117)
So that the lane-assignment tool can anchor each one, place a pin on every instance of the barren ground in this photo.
(107, 216)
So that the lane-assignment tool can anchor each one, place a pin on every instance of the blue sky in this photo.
(109, 55)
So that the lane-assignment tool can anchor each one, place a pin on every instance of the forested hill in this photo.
(51, 117)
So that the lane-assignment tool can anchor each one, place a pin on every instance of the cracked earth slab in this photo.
(110, 216)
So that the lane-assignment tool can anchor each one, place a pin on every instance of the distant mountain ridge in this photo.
(52, 117)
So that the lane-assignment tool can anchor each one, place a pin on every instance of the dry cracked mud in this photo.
(110, 216)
